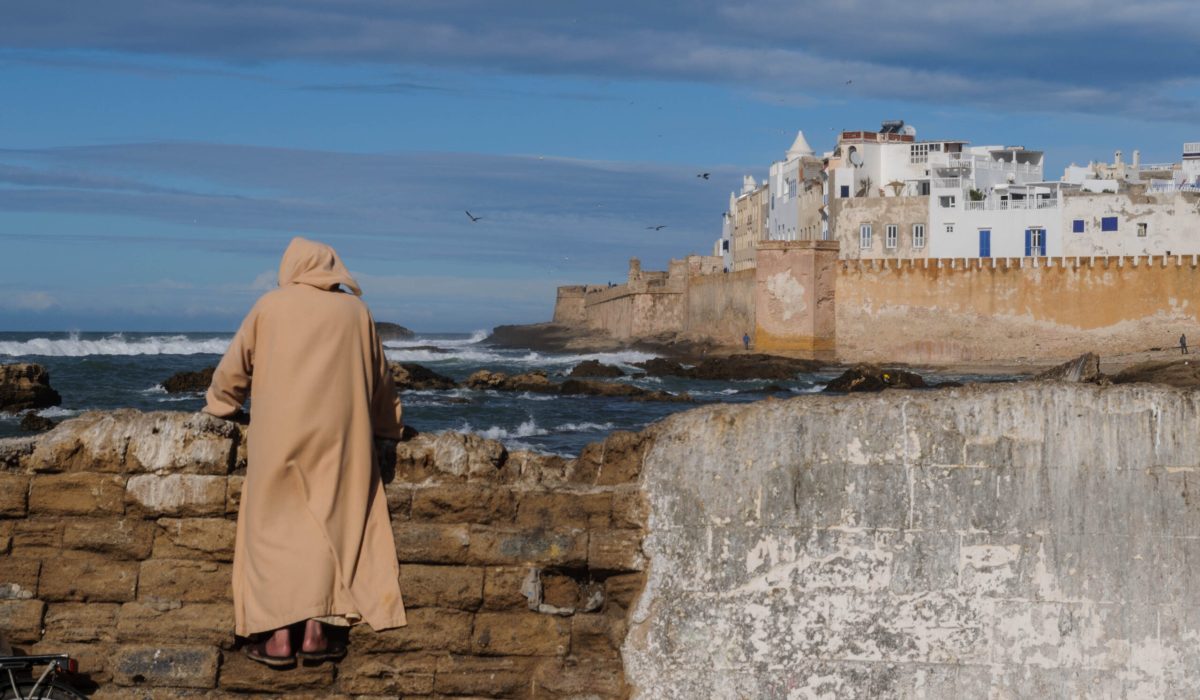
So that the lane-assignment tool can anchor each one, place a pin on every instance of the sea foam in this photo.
(116, 344)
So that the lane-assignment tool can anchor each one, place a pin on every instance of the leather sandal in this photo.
(258, 652)
(333, 651)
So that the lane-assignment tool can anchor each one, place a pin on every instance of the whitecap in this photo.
(584, 427)
(116, 344)
(527, 428)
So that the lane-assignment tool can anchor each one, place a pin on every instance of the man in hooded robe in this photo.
(314, 543)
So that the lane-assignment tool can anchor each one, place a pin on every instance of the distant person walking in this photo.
(314, 546)
(1183, 343)
(746, 340)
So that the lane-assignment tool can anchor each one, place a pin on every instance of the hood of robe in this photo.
(315, 264)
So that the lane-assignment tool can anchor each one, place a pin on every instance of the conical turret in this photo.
(799, 147)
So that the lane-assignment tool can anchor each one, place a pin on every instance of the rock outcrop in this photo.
(189, 382)
(411, 376)
(865, 377)
(26, 386)
(733, 367)
(1184, 374)
(1084, 369)
(595, 368)
(31, 422)
(393, 331)
(538, 382)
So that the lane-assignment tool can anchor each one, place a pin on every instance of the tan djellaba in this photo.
(313, 535)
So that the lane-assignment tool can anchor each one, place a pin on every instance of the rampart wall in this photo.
(941, 311)
(721, 305)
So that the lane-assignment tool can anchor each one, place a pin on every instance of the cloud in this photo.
(27, 301)
(1091, 56)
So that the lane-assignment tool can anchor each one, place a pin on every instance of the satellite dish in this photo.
(855, 158)
(1011, 177)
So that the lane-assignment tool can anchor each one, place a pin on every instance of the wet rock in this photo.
(26, 386)
(552, 337)
(528, 381)
(33, 423)
(1084, 369)
(410, 376)
(866, 377)
(393, 331)
(1184, 374)
(756, 366)
(594, 368)
(189, 382)
(584, 387)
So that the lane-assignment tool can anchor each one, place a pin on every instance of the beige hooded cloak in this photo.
(313, 536)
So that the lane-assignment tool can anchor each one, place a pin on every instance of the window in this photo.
(1077, 226)
(1035, 242)
(891, 234)
(1142, 230)
(845, 191)
(864, 236)
(725, 245)
(946, 202)
(918, 153)
(918, 235)
(1108, 223)
(949, 228)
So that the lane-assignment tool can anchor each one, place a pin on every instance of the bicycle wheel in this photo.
(48, 690)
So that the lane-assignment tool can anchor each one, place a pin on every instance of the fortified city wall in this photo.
(1027, 540)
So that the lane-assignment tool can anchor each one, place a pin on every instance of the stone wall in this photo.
(1022, 541)
(1004, 309)
(720, 306)
(116, 537)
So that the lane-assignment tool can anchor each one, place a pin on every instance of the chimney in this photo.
(1137, 158)
(1117, 158)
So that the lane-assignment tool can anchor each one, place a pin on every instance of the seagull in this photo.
(703, 175)
(849, 81)
(473, 217)
(656, 228)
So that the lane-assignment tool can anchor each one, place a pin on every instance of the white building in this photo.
(796, 186)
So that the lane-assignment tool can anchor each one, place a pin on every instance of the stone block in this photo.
(548, 510)
(208, 623)
(621, 462)
(584, 468)
(93, 658)
(467, 454)
(124, 538)
(19, 578)
(399, 500)
(624, 589)
(597, 635)
(431, 543)
(458, 587)
(630, 508)
(507, 587)
(402, 675)
(89, 578)
(495, 547)
(590, 678)
(463, 503)
(203, 538)
(428, 629)
(520, 634)
(21, 620)
(6, 533)
(482, 676)
(176, 494)
(82, 493)
(191, 581)
(233, 493)
(37, 537)
(616, 550)
(240, 674)
(165, 666)
(14, 495)
(81, 622)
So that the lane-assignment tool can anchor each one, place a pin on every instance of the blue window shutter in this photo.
(985, 243)
(1028, 242)
(1078, 226)
(1108, 223)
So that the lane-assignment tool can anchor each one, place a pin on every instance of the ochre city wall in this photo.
(1002, 309)
(117, 532)
(720, 306)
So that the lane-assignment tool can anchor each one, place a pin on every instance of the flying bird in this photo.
(849, 81)
(656, 228)
(473, 217)
(703, 175)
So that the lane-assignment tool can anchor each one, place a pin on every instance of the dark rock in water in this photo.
(189, 382)
(866, 377)
(552, 337)
(393, 331)
(25, 386)
(426, 348)
(594, 368)
(529, 381)
(34, 423)
(1184, 374)
(1084, 369)
(410, 376)
(756, 366)
(584, 387)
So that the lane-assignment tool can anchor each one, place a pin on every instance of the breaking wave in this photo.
(116, 344)
(526, 429)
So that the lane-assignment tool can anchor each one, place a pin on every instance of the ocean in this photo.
(125, 370)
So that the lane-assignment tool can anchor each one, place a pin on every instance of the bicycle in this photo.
(18, 681)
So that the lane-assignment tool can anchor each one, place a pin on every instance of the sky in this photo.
(157, 155)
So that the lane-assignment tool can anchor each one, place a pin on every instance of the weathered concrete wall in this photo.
(569, 307)
(117, 533)
(1027, 541)
(932, 311)
(721, 306)
(794, 297)
(654, 313)
(903, 212)
(1170, 219)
